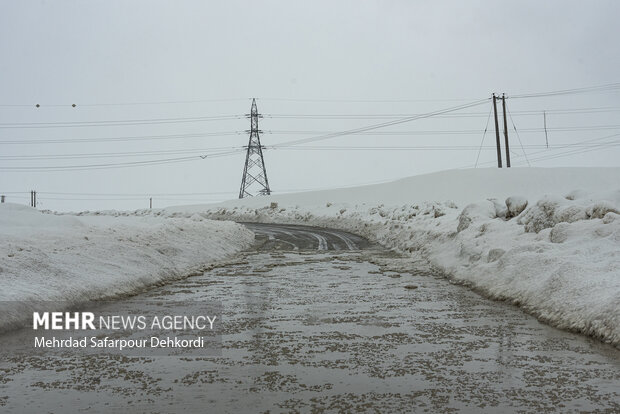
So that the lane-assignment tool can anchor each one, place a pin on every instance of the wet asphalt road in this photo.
(319, 320)
(284, 237)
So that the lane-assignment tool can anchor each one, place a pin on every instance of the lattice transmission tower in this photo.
(254, 173)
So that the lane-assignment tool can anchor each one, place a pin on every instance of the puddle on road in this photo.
(336, 331)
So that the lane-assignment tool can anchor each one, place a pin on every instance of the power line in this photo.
(598, 146)
(395, 119)
(126, 138)
(588, 89)
(143, 103)
(383, 125)
(154, 121)
(328, 100)
(419, 147)
(440, 132)
(298, 148)
(520, 142)
(285, 132)
(568, 111)
(211, 199)
(574, 152)
(127, 122)
(51, 195)
(117, 165)
(114, 154)
(130, 194)
(483, 135)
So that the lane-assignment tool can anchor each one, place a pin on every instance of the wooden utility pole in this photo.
(506, 132)
(499, 150)
(151, 202)
(33, 198)
(545, 124)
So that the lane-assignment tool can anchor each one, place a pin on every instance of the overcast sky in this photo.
(349, 64)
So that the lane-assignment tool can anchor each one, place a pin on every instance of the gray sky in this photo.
(373, 61)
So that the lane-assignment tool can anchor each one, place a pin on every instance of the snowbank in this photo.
(545, 239)
(45, 257)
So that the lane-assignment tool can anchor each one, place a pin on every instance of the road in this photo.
(292, 237)
(318, 320)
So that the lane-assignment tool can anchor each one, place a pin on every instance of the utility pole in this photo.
(506, 132)
(545, 124)
(151, 202)
(499, 150)
(254, 171)
(33, 198)
(2, 198)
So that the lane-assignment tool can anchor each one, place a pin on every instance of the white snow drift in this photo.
(45, 257)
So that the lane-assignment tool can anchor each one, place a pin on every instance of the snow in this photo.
(46, 257)
(460, 186)
(515, 206)
(547, 240)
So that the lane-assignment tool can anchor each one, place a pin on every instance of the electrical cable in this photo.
(569, 111)
(588, 89)
(483, 135)
(382, 125)
(602, 145)
(440, 132)
(114, 154)
(117, 165)
(418, 147)
(127, 103)
(520, 142)
(116, 139)
(153, 121)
